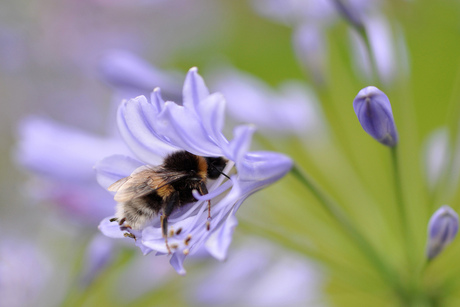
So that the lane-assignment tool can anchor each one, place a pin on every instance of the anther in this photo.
(129, 235)
(178, 231)
(186, 251)
(187, 240)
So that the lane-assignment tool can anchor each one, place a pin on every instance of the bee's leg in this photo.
(172, 202)
(204, 191)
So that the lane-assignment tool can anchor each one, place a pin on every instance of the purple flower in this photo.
(24, 273)
(133, 76)
(442, 229)
(373, 109)
(62, 158)
(388, 50)
(291, 109)
(153, 129)
(436, 155)
(258, 274)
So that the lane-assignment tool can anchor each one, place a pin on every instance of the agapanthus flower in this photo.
(62, 158)
(442, 229)
(387, 50)
(373, 109)
(132, 76)
(259, 274)
(25, 272)
(436, 155)
(153, 129)
(293, 109)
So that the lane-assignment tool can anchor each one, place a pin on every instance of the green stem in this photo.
(402, 210)
(339, 215)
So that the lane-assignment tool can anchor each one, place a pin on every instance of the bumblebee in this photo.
(150, 191)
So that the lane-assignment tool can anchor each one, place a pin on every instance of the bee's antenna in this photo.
(220, 172)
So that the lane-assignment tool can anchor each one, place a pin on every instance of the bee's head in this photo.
(215, 166)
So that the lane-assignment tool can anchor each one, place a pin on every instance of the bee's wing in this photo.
(143, 181)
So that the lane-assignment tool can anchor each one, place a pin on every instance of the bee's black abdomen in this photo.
(215, 166)
(153, 201)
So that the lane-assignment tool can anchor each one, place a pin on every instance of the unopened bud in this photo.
(373, 109)
(442, 229)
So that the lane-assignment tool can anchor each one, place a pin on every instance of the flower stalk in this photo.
(333, 209)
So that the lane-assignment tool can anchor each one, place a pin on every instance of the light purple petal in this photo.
(111, 229)
(134, 122)
(194, 90)
(177, 262)
(60, 151)
(240, 143)
(125, 70)
(114, 168)
(264, 166)
(219, 241)
(99, 254)
(183, 129)
(212, 112)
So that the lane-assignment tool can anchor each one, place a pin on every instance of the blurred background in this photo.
(65, 65)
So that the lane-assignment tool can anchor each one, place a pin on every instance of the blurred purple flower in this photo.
(311, 49)
(24, 272)
(63, 157)
(99, 254)
(388, 50)
(258, 274)
(292, 109)
(132, 76)
(442, 229)
(436, 155)
(153, 129)
(373, 109)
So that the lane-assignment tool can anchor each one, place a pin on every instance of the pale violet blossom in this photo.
(153, 129)
(436, 155)
(131, 76)
(258, 273)
(388, 50)
(291, 109)
(25, 271)
(61, 159)
(311, 49)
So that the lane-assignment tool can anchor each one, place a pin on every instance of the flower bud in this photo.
(373, 109)
(442, 229)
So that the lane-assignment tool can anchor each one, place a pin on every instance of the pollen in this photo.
(186, 251)
(187, 240)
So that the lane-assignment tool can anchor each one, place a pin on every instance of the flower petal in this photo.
(212, 112)
(194, 90)
(184, 129)
(219, 241)
(177, 262)
(135, 123)
(264, 167)
(114, 168)
(240, 144)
